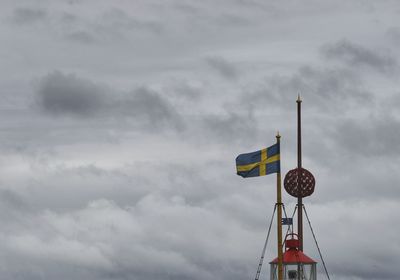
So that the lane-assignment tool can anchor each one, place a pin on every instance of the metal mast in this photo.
(299, 182)
(279, 214)
(299, 198)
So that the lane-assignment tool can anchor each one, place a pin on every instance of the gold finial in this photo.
(298, 98)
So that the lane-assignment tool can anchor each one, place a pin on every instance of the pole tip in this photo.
(278, 135)
(298, 98)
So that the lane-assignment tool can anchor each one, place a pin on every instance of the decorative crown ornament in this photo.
(299, 182)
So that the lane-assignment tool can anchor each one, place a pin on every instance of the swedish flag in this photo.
(259, 163)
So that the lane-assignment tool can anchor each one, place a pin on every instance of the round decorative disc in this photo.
(299, 188)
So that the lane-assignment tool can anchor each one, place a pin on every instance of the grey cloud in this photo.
(109, 26)
(74, 2)
(118, 20)
(124, 185)
(233, 20)
(167, 235)
(150, 106)
(11, 200)
(69, 18)
(225, 68)
(24, 15)
(234, 15)
(377, 255)
(93, 187)
(326, 88)
(176, 245)
(185, 90)
(231, 127)
(374, 137)
(359, 56)
(81, 37)
(13, 206)
(61, 94)
(68, 94)
(393, 33)
(187, 8)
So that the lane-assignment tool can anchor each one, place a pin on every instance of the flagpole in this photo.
(299, 197)
(279, 220)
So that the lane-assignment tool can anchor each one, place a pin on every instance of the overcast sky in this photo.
(120, 122)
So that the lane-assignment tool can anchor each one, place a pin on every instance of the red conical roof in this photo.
(294, 256)
(292, 253)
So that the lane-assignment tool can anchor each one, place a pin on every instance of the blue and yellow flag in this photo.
(259, 163)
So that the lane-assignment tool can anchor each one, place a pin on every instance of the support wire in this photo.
(316, 243)
(265, 246)
(290, 227)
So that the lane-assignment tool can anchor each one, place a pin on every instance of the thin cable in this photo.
(290, 226)
(284, 211)
(265, 246)
(316, 243)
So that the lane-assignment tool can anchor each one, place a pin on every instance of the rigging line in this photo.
(294, 212)
(290, 228)
(284, 211)
(265, 246)
(316, 243)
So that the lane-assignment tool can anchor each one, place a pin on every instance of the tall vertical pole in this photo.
(299, 197)
(279, 220)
